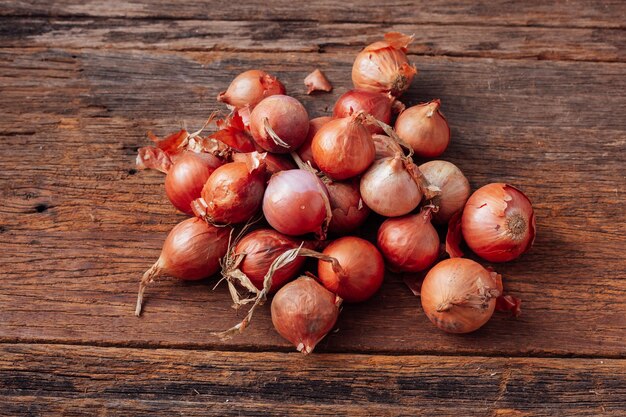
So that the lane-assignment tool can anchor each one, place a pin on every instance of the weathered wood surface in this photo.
(74, 380)
(504, 42)
(80, 226)
(82, 81)
(573, 13)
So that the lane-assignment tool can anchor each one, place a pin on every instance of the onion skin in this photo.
(498, 222)
(233, 193)
(303, 312)
(343, 148)
(249, 88)
(304, 151)
(317, 81)
(261, 247)
(383, 66)
(370, 102)
(389, 189)
(286, 116)
(409, 243)
(363, 269)
(349, 211)
(454, 186)
(424, 129)
(459, 295)
(192, 251)
(386, 147)
(296, 203)
(273, 163)
(185, 179)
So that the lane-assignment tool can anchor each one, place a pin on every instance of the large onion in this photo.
(279, 124)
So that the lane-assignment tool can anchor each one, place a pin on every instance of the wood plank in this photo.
(574, 13)
(293, 36)
(73, 380)
(78, 225)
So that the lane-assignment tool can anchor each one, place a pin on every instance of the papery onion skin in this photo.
(192, 251)
(185, 179)
(303, 312)
(273, 163)
(459, 295)
(249, 88)
(317, 81)
(362, 265)
(349, 211)
(424, 129)
(286, 116)
(409, 243)
(388, 189)
(454, 186)
(304, 151)
(386, 147)
(261, 247)
(383, 66)
(343, 148)
(498, 222)
(233, 193)
(370, 102)
(296, 203)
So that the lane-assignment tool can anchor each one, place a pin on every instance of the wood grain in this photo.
(72, 380)
(78, 224)
(503, 42)
(574, 13)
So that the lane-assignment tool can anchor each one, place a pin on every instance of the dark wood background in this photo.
(535, 94)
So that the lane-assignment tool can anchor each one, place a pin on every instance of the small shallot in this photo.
(232, 194)
(424, 129)
(279, 124)
(498, 222)
(303, 312)
(459, 295)
(192, 251)
(409, 243)
(185, 179)
(249, 88)
(383, 66)
(454, 188)
(343, 148)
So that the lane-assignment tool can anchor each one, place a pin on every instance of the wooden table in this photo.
(535, 94)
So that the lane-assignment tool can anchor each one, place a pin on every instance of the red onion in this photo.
(303, 312)
(424, 129)
(191, 251)
(349, 211)
(455, 188)
(370, 102)
(279, 124)
(232, 194)
(410, 243)
(304, 151)
(498, 222)
(249, 88)
(185, 179)
(360, 272)
(459, 295)
(343, 148)
(383, 66)
(296, 202)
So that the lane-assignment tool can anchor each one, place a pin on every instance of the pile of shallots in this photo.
(273, 186)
